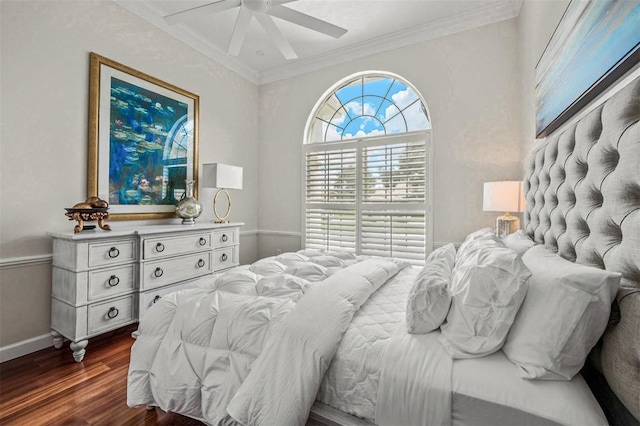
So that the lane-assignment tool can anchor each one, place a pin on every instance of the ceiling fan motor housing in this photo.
(257, 6)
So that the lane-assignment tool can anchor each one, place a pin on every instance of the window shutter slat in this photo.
(391, 198)
(394, 234)
(331, 229)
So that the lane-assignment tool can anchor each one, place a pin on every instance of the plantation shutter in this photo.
(394, 188)
(394, 173)
(331, 230)
(369, 196)
(331, 185)
(394, 234)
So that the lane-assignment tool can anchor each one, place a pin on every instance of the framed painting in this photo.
(143, 141)
(595, 43)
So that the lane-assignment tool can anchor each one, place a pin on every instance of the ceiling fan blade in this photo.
(306, 21)
(276, 35)
(205, 9)
(239, 31)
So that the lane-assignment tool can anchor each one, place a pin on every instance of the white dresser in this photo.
(103, 280)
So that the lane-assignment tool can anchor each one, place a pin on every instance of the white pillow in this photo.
(481, 234)
(565, 313)
(518, 241)
(488, 285)
(429, 299)
(447, 252)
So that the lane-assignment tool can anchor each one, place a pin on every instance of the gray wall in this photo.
(536, 23)
(471, 85)
(44, 83)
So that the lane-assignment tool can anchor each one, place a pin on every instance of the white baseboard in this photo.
(16, 350)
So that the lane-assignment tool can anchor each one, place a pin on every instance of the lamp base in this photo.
(221, 219)
(506, 225)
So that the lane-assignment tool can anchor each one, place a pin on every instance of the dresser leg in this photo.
(57, 339)
(78, 349)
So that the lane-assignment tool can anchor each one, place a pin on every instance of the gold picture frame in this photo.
(143, 141)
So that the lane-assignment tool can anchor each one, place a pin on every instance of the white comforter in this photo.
(351, 383)
(285, 378)
(196, 348)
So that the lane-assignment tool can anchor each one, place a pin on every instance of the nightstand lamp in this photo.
(223, 177)
(505, 196)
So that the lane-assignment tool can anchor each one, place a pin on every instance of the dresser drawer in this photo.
(225, 237)
(168, 271)
(110, 253)
(224, 258)
(151, 297)
(111, 282)
(154, 248)
(110, 315)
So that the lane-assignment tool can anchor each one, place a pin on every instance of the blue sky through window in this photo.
(369, 106)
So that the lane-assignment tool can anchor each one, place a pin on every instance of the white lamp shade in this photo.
(221, 176)
(505, 196)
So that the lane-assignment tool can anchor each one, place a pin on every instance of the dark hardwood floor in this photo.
(49, 388)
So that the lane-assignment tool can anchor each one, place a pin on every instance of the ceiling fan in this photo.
(263, 10)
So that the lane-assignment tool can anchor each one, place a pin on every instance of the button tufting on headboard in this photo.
(583, 200)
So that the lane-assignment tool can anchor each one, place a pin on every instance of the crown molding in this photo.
(478, 17)
(150, 14)
(497, 11)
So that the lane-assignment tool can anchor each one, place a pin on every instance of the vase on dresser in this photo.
(188, 208)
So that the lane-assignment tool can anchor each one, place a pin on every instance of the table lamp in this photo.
(505, 196)
(223, 177)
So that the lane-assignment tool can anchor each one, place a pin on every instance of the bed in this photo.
(492, 332)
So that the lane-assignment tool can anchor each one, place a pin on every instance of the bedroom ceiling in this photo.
(373, 26)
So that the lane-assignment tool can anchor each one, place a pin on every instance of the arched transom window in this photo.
(367, 155)
(369, 105)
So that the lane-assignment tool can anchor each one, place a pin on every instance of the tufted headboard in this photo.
(583, 200)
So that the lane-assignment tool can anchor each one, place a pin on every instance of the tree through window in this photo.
(367, 153)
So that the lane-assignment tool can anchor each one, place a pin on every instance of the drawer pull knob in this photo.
(223, 257)
(113, 252)
(202, 241)
(113, 312)
(200, 263)
(114, 281)
(159, 247)
(158, 272)
(155, 299)
(224, 238)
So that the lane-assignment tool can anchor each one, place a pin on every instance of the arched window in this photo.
(367, 154)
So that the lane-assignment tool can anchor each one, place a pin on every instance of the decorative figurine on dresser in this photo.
(93, 208)
(106, 280)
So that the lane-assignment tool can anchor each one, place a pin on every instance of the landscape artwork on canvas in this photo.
(594, 44)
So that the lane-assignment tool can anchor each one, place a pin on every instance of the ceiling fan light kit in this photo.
(263, 11)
